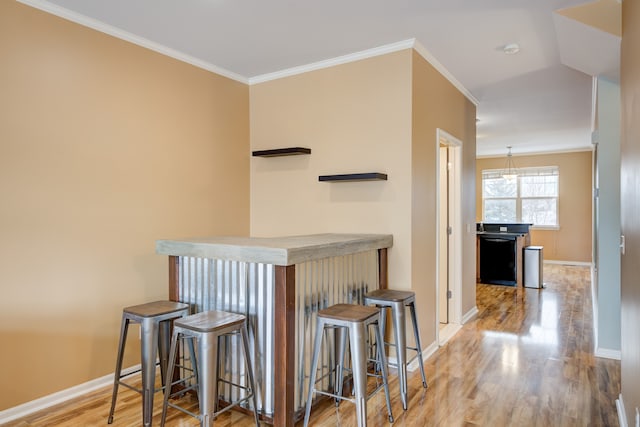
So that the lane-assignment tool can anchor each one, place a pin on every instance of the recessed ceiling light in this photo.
(511, 48)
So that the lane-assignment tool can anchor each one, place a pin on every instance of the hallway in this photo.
(526, 364)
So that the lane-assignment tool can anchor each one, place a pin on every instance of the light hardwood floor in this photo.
(519, 363)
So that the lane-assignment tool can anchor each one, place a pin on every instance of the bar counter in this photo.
(280, 284)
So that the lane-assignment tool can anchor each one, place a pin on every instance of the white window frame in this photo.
(531, 171)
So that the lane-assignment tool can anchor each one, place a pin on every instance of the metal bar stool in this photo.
(155, 324)
(355, 320)
(206, 329)
(397, 301)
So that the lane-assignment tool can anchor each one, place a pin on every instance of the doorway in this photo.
(449, 251)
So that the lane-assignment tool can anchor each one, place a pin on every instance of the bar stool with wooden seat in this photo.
(155, 325)
(397, 301)
(354, 320)
(206, 329)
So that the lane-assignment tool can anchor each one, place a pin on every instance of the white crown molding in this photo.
(97, 25)
(594, 103)
(537, 153)
(442, 70)
(132, 38)
(352, 57)
(369, 53)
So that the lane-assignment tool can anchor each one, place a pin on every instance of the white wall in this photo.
(608, 223)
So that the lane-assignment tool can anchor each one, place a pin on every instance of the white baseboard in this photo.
(413, 365)
(560, 262)
(470, 315)
(608, 353)
(447, 332)
(60, 397)
(598, 351)
(594, 310)
(622, 415)
(426, 353)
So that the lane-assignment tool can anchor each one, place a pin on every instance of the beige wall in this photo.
(630, 196)
(106, 147)
(438, 104)
(573, 240)
(605, 15)
(374, 115)
(355, 117)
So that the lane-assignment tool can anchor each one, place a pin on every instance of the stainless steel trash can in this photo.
(533, 267)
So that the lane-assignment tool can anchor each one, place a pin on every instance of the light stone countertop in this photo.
(274, 250)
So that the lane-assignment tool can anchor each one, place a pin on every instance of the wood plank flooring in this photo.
(519, 363)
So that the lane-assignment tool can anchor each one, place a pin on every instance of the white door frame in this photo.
(455, 240)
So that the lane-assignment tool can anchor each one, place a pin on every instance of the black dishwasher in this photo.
(498, 259)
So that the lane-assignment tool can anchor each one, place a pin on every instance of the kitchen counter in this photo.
(286, 250)
(500, 234)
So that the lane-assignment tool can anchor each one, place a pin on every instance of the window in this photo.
(531, 198)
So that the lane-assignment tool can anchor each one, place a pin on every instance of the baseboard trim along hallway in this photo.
(60, 397)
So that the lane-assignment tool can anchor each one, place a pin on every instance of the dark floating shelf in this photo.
(276, 152)
(369, 176)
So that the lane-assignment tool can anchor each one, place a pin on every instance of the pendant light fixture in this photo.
(510, 172)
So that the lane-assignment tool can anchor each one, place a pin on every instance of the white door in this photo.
(449, 236)
(443, 239)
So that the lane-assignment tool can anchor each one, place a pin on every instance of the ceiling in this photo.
(538, 100)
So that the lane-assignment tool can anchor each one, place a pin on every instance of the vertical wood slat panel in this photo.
(284, 341)
(174, 278)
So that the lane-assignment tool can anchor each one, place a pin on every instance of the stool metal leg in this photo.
(314, 367)
(164, 342)
(245, 342)
(398, 313)
(341, 340)
(382, 359)
(383, 319)
(383, 327)
(208, 350)
(124, 327)
(149, 345)
(170, 368)
(357, 342)
(416, 332)
(194, 362)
